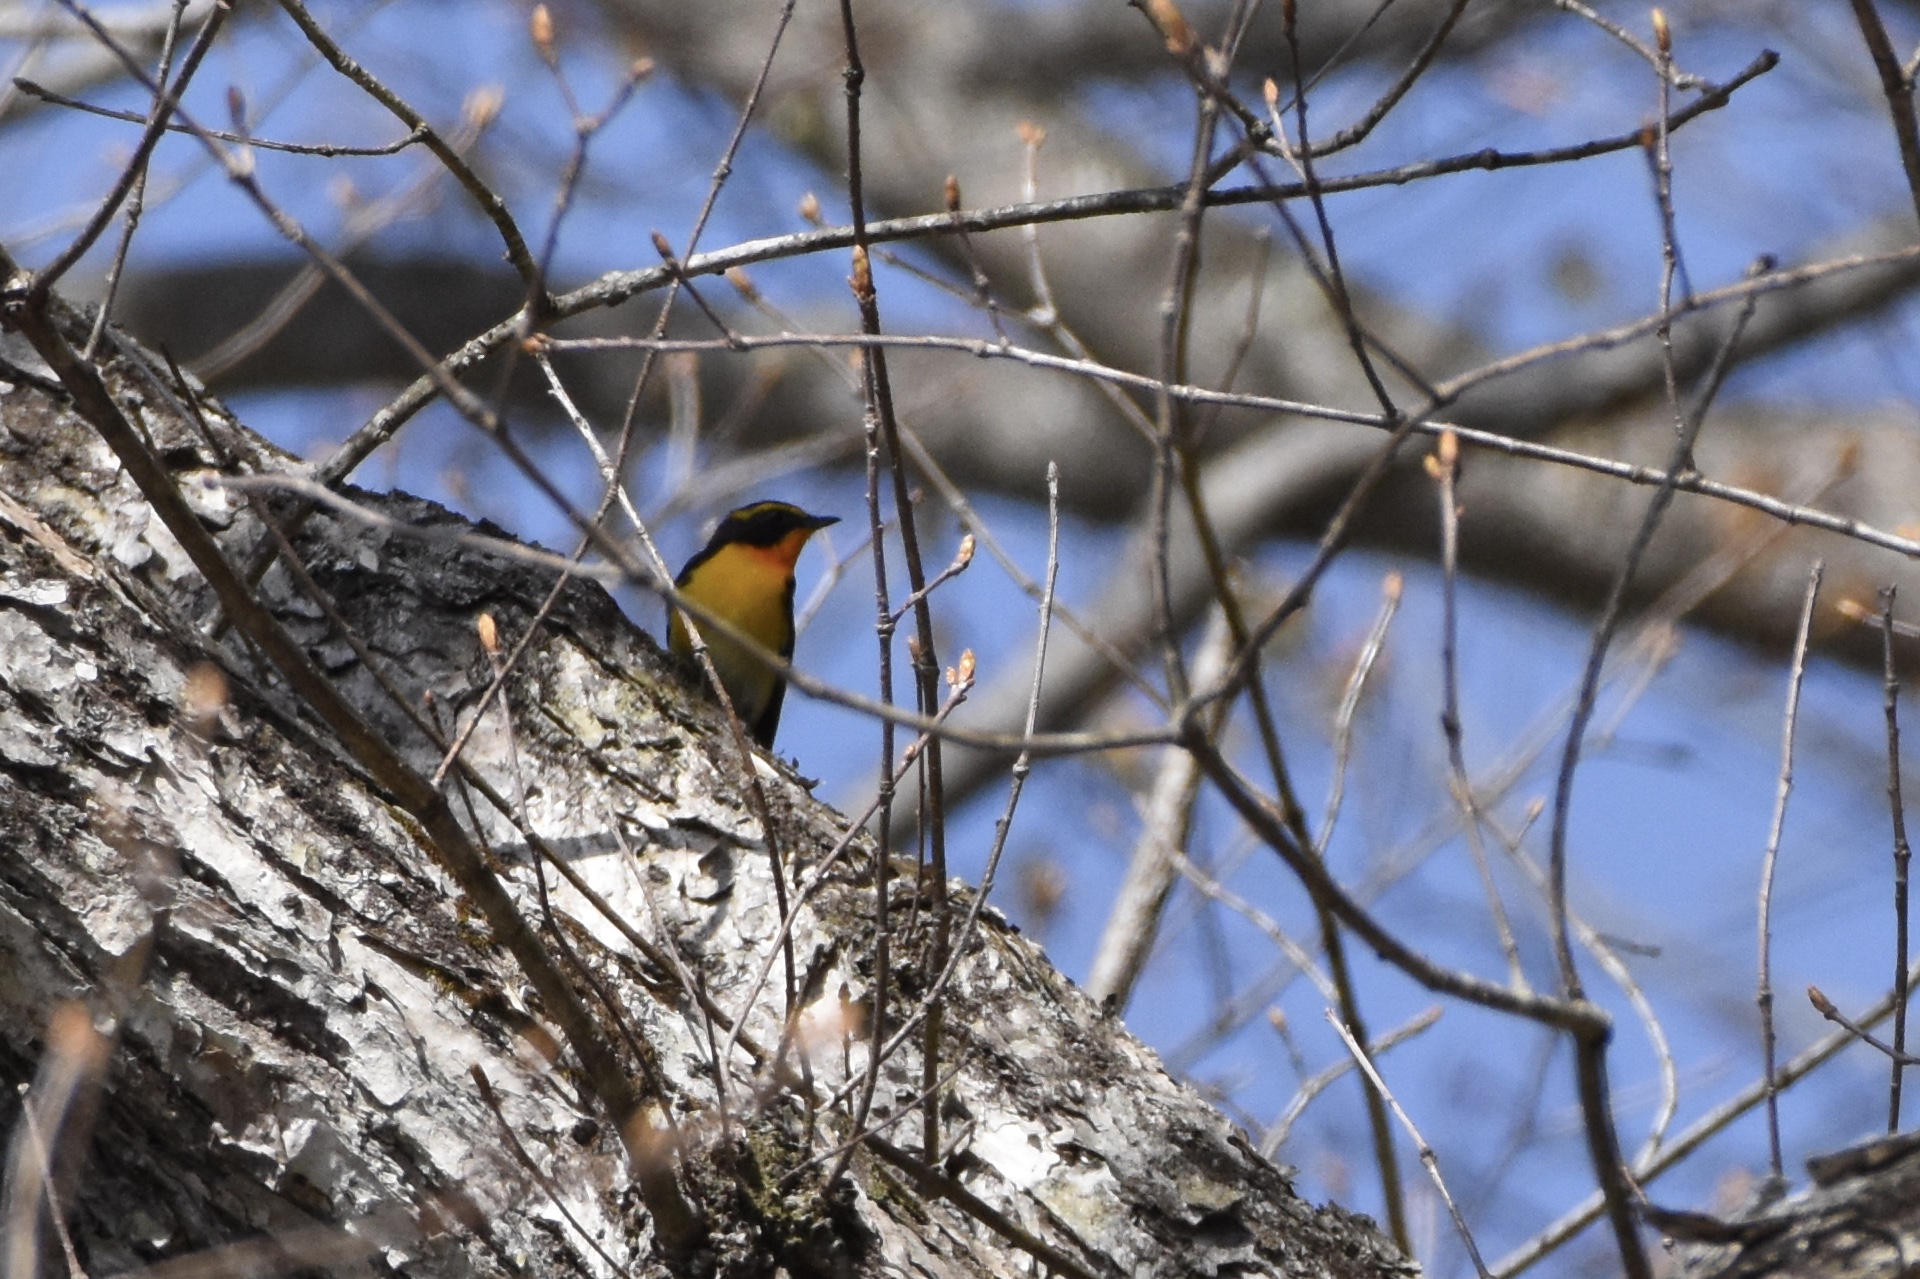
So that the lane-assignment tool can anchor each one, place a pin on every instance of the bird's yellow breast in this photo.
(752, 588)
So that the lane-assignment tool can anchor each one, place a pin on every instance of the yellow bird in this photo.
(745, 575)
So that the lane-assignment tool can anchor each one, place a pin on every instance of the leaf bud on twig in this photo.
(862, 278)
(482, 105)
(540, 27)
(1172, 26)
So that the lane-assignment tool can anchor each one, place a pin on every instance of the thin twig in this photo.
(883, 835)
(1170, 416)
(950, 953)
(490, 201)
(1825, 1008)
(1245, 673)
(1897, 86)
(363, 222)
(1443, 465)
(1651, 56)
(902, 1112)
(937, 1183)
(490, 645)
(1391, 588)
(1902, 852)
(1133, 922)
(982, 296)
(1210, 888)
(44, 1157)
(1358, 131)
(1604, 953)
(1575, 1016)
(166, 100)
(1427, 1157)
(1311, 1087)
(325, 149)
(1173, 436)
(961, 559)
(1660, 160)
(1784, 788)
(492, 1102)
(136, 200)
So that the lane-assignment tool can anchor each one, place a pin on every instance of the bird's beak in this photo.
(818, 522)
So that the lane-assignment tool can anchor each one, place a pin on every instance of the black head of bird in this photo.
(744, 575)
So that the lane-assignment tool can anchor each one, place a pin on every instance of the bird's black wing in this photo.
(769, 722)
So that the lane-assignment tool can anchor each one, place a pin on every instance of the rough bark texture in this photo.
(297, 997)
(1860, 1217)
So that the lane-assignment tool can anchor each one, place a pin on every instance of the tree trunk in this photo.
(290, 1001)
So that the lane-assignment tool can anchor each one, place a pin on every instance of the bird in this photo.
(745, 575)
